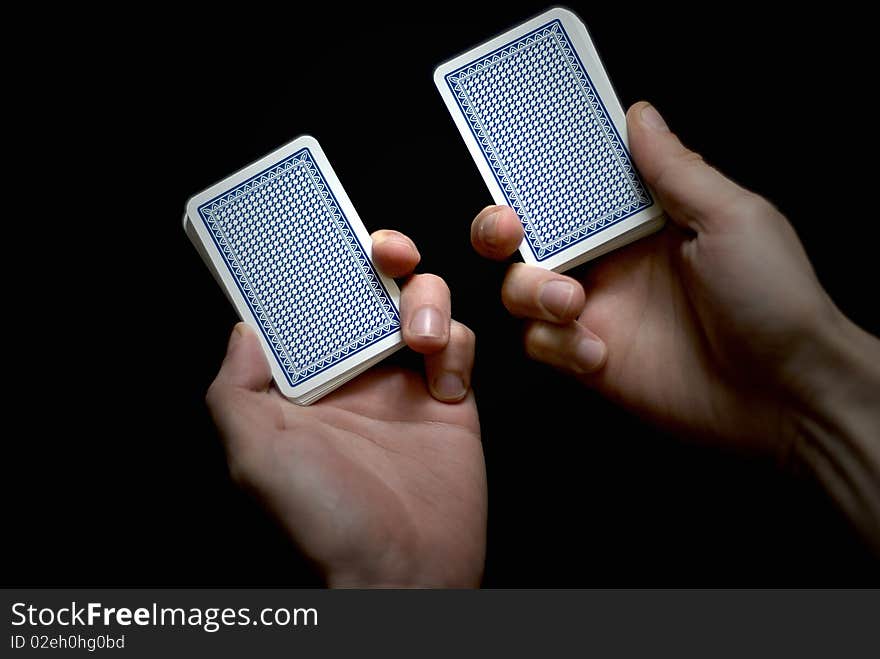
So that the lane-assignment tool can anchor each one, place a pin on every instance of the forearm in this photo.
(837, 423)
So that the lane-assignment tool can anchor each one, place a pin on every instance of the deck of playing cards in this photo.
(548, 134)
(286, 245)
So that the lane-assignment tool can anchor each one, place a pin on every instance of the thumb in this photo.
(694, 195)
(245, 365)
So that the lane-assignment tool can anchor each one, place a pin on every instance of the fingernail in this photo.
(488, 229)
(427, 322)
(556, 296)
(237, 332)
(652, 118)
(589, 354)
(449, 386)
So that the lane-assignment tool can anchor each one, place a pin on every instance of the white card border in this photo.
(580, 39)
(197, 224)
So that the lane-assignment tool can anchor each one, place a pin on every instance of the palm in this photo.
(660, 363)
(374, 475)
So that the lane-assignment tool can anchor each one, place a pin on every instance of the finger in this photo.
(693, 194)
(244, 371)
(240, 398)
(571, 347)
(245, 365)
(496, 232)
(425, 311)
(449, 371)
(394, 254)
(532, 292)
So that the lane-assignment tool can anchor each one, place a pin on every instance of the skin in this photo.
(382, 482)
(715, 328)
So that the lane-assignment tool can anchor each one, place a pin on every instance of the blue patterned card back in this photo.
(547, 137)
(300, 267)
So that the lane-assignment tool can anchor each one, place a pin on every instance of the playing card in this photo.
(548, 134)
(291, 253)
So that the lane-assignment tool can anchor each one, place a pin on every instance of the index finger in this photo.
(496, 232)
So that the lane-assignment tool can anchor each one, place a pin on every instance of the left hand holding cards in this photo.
(288, 248)
(381, 483)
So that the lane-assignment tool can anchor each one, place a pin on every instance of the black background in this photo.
(114, 328)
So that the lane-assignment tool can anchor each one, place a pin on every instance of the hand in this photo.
(715, 327)
(382, 482)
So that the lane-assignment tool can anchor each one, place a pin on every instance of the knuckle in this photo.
(747, 210)
(752, 205)
(690, 158)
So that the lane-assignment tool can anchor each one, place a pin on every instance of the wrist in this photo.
(837, 372)
(834, 397)
(355, 580)
(405, 574)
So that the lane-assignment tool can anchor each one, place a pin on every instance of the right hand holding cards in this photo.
(541, 120)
